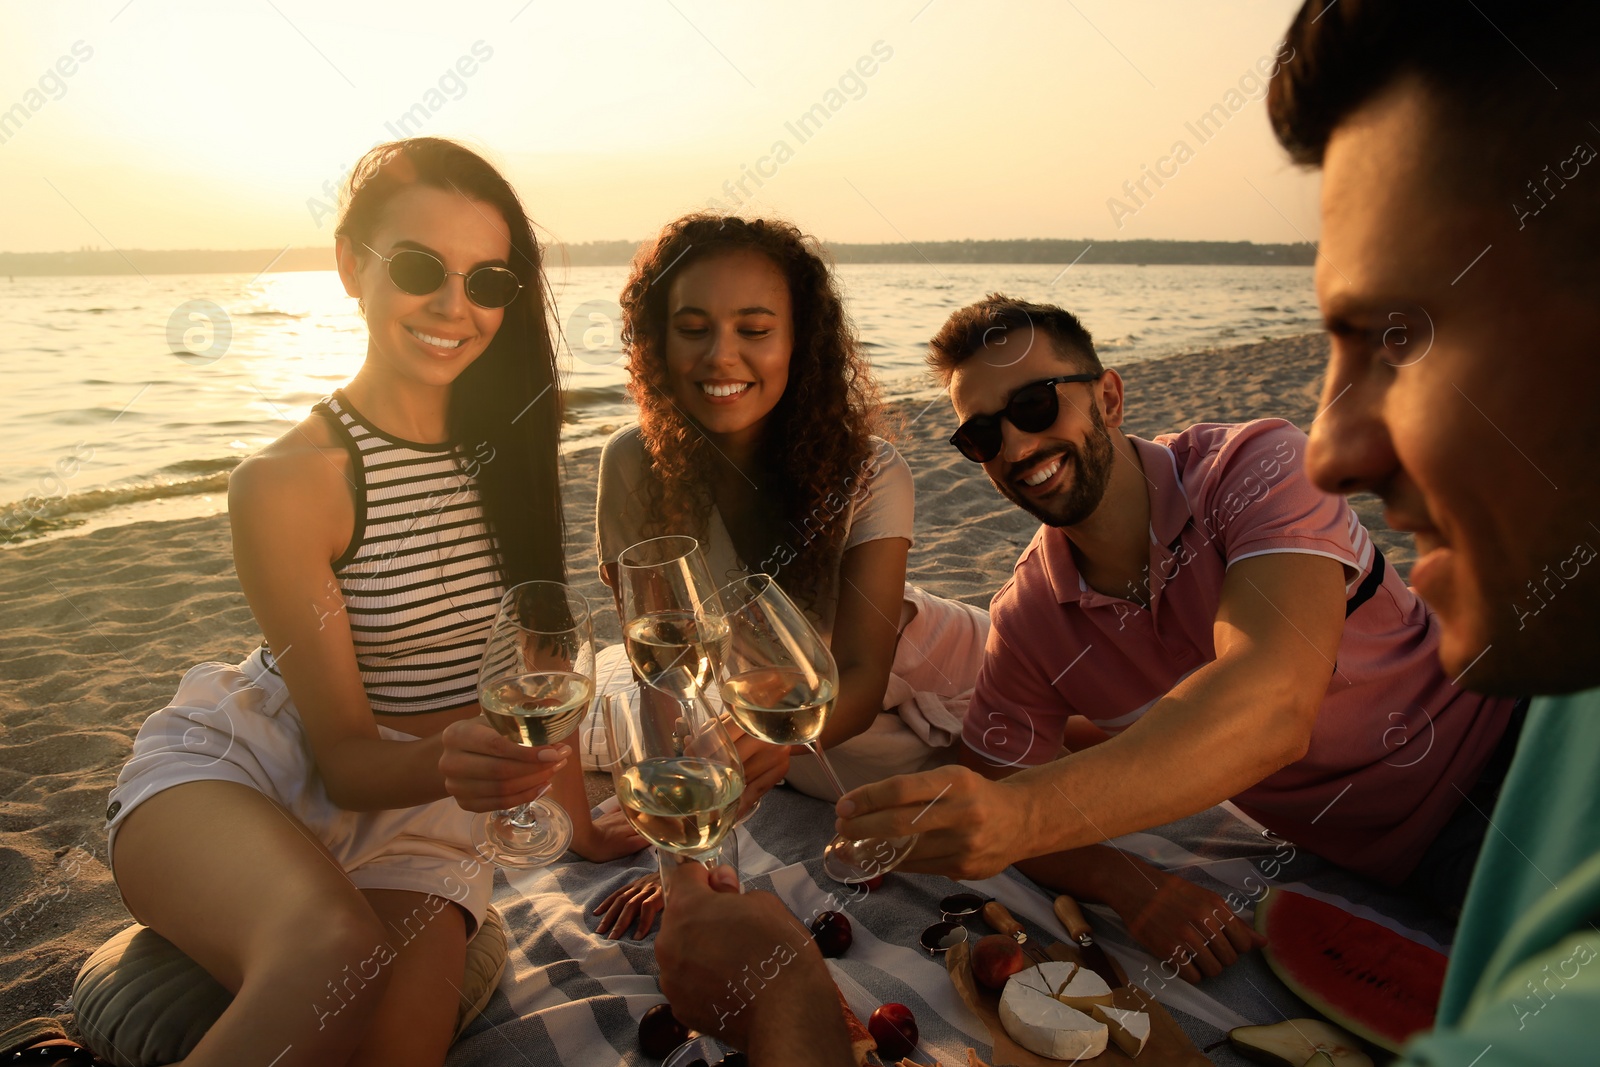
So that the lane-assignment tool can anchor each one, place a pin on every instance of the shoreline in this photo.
(196, 484)
(101, 625)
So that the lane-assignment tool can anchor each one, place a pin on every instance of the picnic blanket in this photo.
(572, 998)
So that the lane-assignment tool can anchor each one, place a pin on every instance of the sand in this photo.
(99, 628)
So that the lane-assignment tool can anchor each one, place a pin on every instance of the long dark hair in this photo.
(506, 406)
(816, 443)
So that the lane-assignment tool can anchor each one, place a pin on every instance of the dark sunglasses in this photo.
(420, 273)
(1032, 408)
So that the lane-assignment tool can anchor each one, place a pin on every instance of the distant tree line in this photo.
(1051, 250)
(165, 261)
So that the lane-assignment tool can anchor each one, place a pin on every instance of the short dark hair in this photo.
(1514, 84)
(996, 316)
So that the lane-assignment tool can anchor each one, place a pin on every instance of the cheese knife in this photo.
(1094, 957)
(996, 915)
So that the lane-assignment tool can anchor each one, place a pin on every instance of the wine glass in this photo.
(780, 682)
(534, 684)
(677, 774)
(672, 627)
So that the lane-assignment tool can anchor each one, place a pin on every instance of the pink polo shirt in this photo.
(1395, 745)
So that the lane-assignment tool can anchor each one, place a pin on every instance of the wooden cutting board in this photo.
(1168, 1046)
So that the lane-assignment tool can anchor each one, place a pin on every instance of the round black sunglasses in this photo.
(1032, 408)
(420, 273)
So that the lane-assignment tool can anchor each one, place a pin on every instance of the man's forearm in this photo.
(801, 1028)
(1091, 873)
(1217, 733)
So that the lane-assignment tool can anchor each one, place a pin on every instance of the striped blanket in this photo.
(572, 998)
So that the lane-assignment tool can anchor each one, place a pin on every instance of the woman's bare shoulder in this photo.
(307, 469)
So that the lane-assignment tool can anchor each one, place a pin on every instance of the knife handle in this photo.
(996, 915)
(1071, 917)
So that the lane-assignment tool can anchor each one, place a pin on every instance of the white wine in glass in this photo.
(672, 627)
(779, 706)
(675, 651)
(780, 684)
(677, 774)
(684, 804)
(535, 682)
(536, 709)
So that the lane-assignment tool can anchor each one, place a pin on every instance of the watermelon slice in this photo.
(1374, 982)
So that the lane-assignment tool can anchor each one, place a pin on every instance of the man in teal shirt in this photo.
(1458, 272)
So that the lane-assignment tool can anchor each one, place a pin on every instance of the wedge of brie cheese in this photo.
(1076, 987)
(1129, 1029)
(1040, 1023)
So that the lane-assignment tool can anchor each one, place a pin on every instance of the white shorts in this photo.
(237, 723)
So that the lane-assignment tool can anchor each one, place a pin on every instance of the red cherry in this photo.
(832, 933)
(873, 883)
(894, 1028)
(660, 1032)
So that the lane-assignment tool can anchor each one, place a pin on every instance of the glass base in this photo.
(534, 836)
(854, 862)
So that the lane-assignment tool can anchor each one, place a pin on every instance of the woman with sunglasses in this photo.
(289, 822)
(756, 435)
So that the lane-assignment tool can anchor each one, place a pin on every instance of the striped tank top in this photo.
(421, 577)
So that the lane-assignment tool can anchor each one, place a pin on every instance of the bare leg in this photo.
(244, 889)
(416, 1018)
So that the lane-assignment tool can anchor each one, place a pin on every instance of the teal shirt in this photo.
(1523, 986)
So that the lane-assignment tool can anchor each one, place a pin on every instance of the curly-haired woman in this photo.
(757, 413)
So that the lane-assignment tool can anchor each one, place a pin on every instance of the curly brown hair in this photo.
(816, 442)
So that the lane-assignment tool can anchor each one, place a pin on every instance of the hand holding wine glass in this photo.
(485, 772)
(675, 635)
(638, 903)
(678, 776)
(535, 682)
(709, 939)
(780, 681)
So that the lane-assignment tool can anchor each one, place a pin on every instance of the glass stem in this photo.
(827, 768)
(661, 867)
(524, 816)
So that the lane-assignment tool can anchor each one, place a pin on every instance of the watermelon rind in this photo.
(1382, 1032)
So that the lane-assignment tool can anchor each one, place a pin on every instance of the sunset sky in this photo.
(190, 124)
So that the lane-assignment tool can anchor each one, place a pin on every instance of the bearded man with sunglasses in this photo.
(1228, 631)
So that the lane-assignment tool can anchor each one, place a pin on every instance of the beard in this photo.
(1090, 473)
